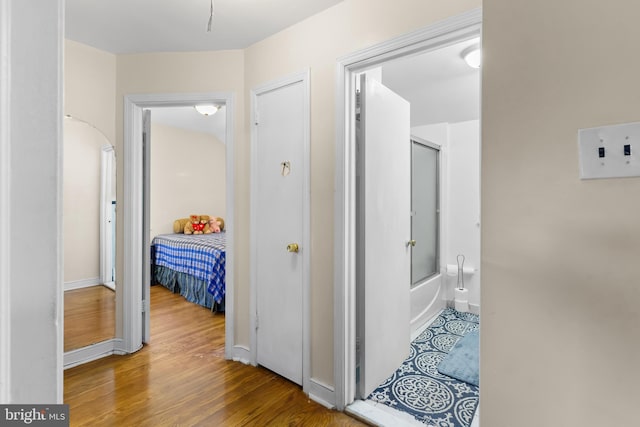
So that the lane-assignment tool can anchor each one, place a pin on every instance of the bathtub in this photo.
(427, 300)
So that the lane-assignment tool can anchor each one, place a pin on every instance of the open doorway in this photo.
(137, 274)
(437, 130)
(187, 176)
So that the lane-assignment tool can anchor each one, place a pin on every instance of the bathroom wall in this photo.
(460, 199)
(463, 203)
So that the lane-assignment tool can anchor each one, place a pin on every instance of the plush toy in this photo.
(216, 224)
(197, 224)
(188, 227)
(194, 223)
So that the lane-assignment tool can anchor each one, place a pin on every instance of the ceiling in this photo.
(188, 118)
(139, 26)
(438, 84)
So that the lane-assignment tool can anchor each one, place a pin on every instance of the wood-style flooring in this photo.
(182, 379)
(89, 316)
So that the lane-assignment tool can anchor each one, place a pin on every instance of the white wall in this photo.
(460, 199)
(463, 203)
(187, 176)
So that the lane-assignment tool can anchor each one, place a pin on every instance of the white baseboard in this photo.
(322, 393)
(474, 308)
(91, 352)
(240, 354)
(83, 283)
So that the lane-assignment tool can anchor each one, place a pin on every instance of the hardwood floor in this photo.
(89, 316)
(182, 379)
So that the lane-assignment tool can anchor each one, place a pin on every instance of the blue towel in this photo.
(463, 361)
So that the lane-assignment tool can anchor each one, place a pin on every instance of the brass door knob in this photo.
(293, 247)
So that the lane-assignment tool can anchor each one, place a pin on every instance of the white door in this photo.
(279, 226)
(146, 255)
(384, 230)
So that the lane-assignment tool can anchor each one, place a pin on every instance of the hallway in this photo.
(181, 378)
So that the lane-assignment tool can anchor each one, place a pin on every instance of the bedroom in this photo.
(187, 176)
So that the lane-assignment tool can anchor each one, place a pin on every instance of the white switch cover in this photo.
(609, 141)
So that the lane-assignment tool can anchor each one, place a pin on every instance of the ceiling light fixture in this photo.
(210, 18)
(207, 109)
(472, 56)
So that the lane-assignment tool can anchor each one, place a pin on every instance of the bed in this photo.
(191, 265)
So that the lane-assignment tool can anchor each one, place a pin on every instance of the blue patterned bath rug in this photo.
(417, 388)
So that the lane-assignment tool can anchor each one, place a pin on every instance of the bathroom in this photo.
(444, 97)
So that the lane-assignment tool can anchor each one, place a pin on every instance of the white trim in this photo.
(304, 78)
(240, 353)
(132, 224)
(92, 352)
(107, 178)
(5, 168)
(451, 30)
(60, 208)
(474, 308)
(322, 393)
(82, 283)
(132, 208)
(378, 414)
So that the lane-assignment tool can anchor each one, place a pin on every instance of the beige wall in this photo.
(81, 201)
(196, 72)
(89, 86)
(89, 89)
(187, 176)
(317, 43)
(560, 294)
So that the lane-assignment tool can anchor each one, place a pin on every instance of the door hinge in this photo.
(256, 119)
(257, 322)
(145, 305)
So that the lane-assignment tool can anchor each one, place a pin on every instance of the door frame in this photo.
(303, 78)
(132, 207)
(439, 34)
(107, 178)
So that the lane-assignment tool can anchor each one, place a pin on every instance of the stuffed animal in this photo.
(187, 225)
(197, 224)
(216, 224)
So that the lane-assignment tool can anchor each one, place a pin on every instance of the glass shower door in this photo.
(424, 210)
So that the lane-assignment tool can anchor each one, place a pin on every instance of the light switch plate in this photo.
(614, 164)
